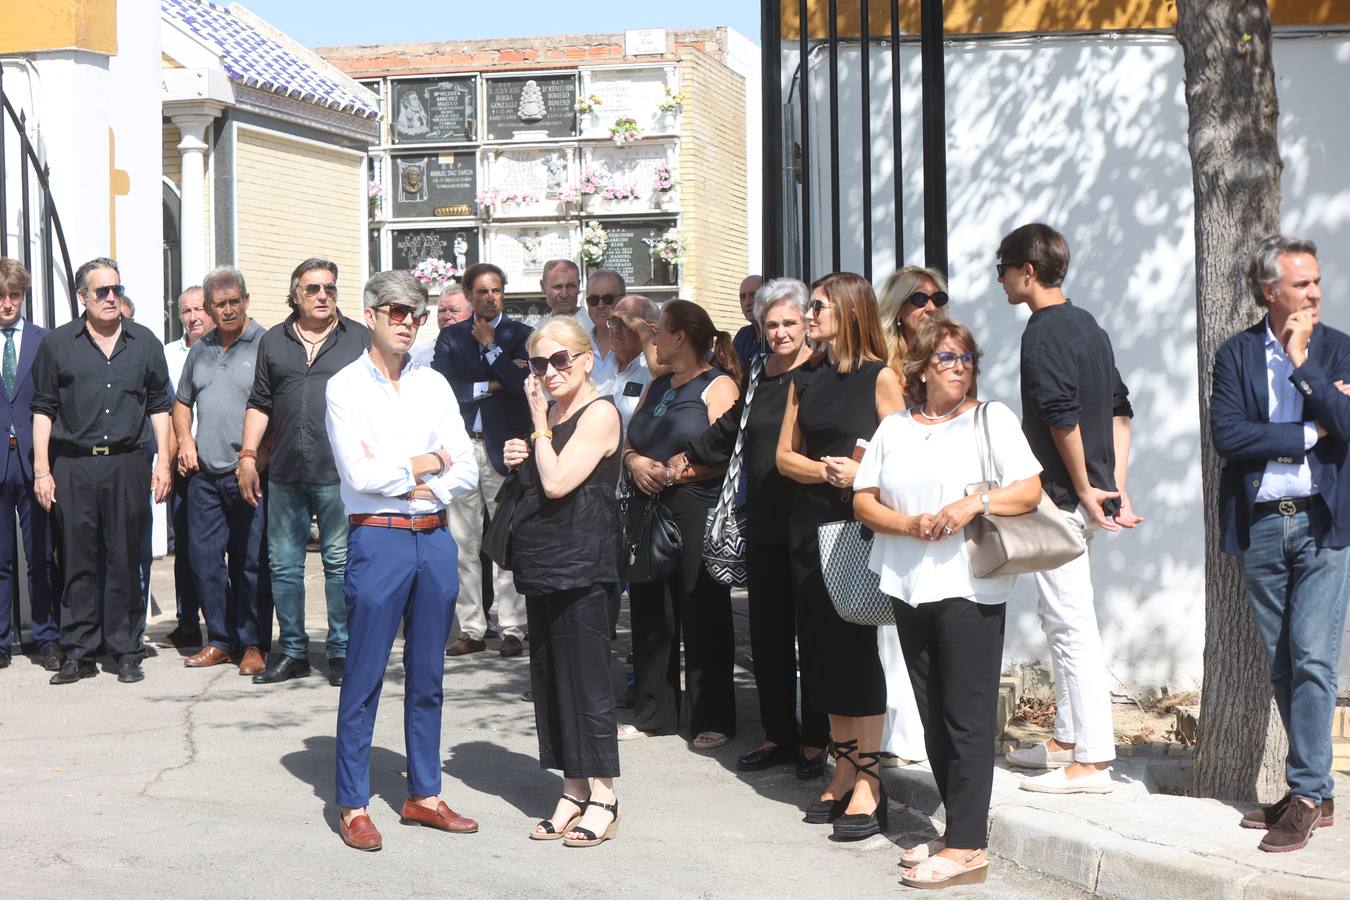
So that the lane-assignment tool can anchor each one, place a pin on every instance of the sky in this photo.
(409, 21)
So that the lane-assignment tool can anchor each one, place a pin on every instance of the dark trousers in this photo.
(187, 605)
(228, 536)
(395, 577)
(691, 603)
(101, 509)
(569, 674)
(773, 642)
(16, 497)
(954, 650)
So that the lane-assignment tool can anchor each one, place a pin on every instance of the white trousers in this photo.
(466, 525)
(1069, 620)
(903, 734)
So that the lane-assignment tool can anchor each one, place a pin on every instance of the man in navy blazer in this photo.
(20, 345)
(1281, 421)
(484, 359)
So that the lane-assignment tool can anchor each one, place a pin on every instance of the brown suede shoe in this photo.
(1265, 817)
(1293, 829)
(361, 834)
(209, 656)
(511, 646)
(466, 645)
(253, 662)
(443, 818)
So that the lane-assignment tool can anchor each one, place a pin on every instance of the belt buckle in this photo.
(1287, 507)
(100, 450)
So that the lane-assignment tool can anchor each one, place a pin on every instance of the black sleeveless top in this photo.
(669, 418)
(572, 541)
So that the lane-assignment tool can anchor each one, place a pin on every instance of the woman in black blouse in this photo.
(780, 311)
(678, 407)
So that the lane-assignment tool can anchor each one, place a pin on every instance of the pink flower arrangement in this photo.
(662, 183)
(569, 194)
(620, 192)
(592, 181)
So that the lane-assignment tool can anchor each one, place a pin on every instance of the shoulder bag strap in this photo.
(727, 497)
(982, 441)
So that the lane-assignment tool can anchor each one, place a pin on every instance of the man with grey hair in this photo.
(216, 381)
(1281, 422)
(632, 334)
(402, 453)
(604, 289)
(451, 307)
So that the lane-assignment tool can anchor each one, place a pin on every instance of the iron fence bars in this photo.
(934, 136)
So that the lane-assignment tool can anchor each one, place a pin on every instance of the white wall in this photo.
(1089, 134)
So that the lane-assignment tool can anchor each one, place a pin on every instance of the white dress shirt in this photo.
(483, 388)
(176, 354)
(17, 337)
(626, 384)
(1286, 405)
(375, 431)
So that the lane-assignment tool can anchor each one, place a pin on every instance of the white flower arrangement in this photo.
(625, 130)
(432, 272)
(594, 242)
(671, 102)
(669, 248)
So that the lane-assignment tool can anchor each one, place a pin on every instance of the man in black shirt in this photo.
(286, 414)
(1076, 417)
(101, 386)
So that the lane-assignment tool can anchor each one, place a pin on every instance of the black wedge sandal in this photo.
(591, 840)
(857, 826)
(823, 812)
(549, 834)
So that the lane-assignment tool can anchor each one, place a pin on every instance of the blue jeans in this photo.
(289, 507)
(225, 527)
(1297, 588)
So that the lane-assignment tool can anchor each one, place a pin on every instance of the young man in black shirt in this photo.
(1076, 416)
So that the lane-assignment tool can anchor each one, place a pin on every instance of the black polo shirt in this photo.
(95, 400)
(293, 394)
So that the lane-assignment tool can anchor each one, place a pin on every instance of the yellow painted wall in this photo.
(29, 27)
(294, 200)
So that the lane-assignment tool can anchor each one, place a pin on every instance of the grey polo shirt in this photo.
(216, 382)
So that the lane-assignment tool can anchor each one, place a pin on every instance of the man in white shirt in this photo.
(604, 289)
(632, 333)
(401, 453)
(452, 307)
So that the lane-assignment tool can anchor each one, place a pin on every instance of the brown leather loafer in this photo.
(466, 645)
(511, 646)
(253, 662)
(209, 656)
(443, 818)
(361, 834)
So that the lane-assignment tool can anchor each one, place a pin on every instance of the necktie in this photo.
(11, 363)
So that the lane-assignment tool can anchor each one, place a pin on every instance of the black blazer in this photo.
(16, 410)
(506, 413)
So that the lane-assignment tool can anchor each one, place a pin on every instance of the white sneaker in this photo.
(1040, 757)
(1057, 782)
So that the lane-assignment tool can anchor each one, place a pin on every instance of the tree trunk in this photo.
(1235, 162)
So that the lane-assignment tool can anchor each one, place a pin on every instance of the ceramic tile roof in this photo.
(267, 61)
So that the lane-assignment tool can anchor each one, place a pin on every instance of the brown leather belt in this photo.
(428, 522)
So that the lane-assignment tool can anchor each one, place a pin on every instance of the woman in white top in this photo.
(911, 490)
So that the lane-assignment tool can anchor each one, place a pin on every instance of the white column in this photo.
(192, 151)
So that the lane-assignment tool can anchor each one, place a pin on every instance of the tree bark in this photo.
(1235, 164)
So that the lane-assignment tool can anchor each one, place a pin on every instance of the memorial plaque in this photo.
(628, 252)
(433, 110)
(522, 251)
(631, 167)
(441, 184)
(631, 93)
(531, 108)
(458, 246)
(535, 172)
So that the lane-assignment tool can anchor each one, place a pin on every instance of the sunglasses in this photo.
(114, 289)
(614, 323)
(560, 361)
(816, 307)
(1003, 267)
(398, 313)
(664, 405)
(606, 299)
(945, 360)
(921, 299)
(312, 290)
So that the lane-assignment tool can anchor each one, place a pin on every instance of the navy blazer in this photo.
(1239, 416)
(17, 409)
(506, 413)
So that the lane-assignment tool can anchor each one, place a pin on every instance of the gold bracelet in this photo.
(534, 436)
(43, 475)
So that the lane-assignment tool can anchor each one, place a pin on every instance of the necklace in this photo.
(312, 347)
(959, 404)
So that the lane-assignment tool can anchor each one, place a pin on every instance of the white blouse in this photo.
(920, 469)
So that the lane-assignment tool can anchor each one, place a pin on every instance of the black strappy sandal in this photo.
(549, 834)
(822, 812)
(591, 840)
(856, 826)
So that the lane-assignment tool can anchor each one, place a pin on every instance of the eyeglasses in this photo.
(945, 360)
(920, 299)
(607, 299)
(398, 313)
(114, 289)
(1003, 267)
(560, 361)
(664, 405)
(816, 307)
(330, 288)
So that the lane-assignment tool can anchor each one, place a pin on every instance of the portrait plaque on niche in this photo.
(530, 108)
(522, 251)
(628, 253)
(441, 184)
(426, 110)
(458, 246)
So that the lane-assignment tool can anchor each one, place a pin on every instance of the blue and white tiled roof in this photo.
(253, 57)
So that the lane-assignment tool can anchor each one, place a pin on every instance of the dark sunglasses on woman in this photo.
(920, 299)
(561, 362)
(398, 313)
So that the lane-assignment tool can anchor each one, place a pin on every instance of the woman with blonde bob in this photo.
(565, 556)
(917, 488)
(910, 296)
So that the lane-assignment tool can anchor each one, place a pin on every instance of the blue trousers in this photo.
(395, 577)
(1297, 588)
(44, 588)
(290, 504)
(226, 552)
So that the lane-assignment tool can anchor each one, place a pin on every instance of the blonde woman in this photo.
(908, 297)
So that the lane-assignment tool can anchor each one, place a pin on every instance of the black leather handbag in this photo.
(651, 540)
(497, 535)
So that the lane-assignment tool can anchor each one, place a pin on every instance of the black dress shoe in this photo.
(813, 767)
(185, 637)
(49, 656)
(337, 666)
(282, 668)
(4, 660)
(72, 670)
(766, 758)
(129, 671)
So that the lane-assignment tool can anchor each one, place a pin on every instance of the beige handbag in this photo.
(1035, 541)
